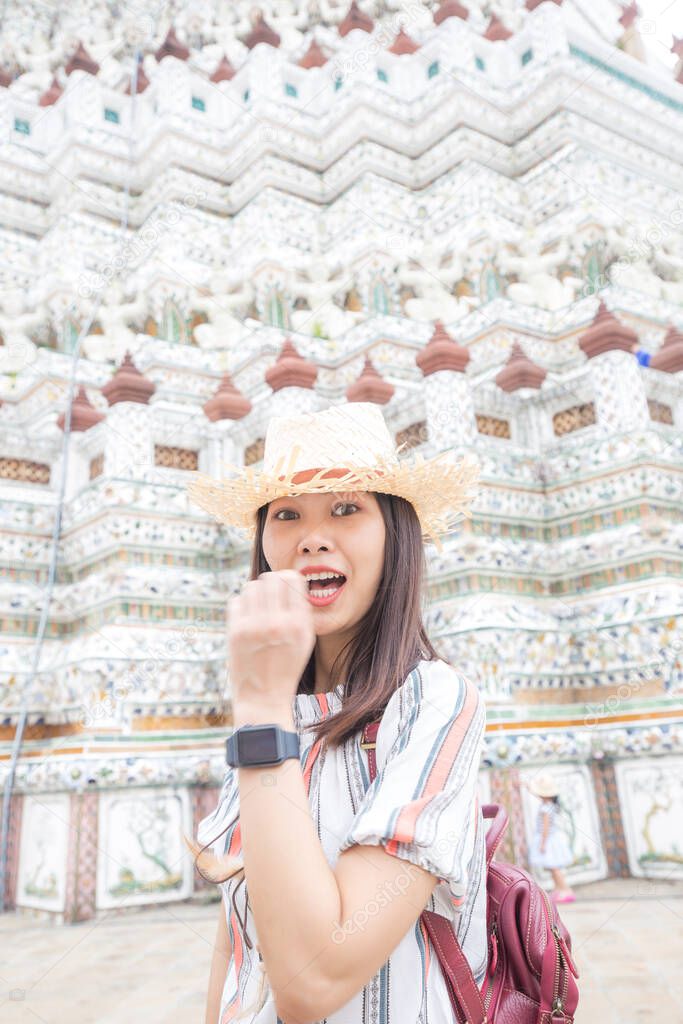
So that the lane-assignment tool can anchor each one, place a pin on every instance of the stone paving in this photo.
(152, 965)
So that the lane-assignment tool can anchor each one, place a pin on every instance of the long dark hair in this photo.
(389, 640)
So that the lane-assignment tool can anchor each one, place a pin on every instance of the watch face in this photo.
(260, 745)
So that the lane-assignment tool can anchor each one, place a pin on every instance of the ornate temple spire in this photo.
(670, 356)
(81, 60)
(496, 30)
(370, 386)
(442, 352)
(355, 18)
(450, 9)
(84, 415)
(227, 403)
(291, 369)
(172, 47)
(520, 372)
(631, 41)
(224, 72)
(606, 333)
(260, 32)
(52, 94)
(403, 44)
(314, 56)
(141, 81)
(128, 384)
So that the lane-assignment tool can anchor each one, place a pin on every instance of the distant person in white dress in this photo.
(550, 846)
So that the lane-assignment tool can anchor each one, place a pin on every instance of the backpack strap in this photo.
(466, 999)
(498, 817)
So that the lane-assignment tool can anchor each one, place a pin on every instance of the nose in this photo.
(309, 545)
(315, 539)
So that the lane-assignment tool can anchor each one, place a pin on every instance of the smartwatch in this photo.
(253, 746)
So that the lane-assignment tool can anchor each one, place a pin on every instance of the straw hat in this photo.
(344, 448)
(543, 785)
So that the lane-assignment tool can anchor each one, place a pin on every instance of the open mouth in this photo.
(326, 589)
(327, 586)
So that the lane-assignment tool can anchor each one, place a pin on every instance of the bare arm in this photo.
(546, 830)
(316, 953)
(222, 951)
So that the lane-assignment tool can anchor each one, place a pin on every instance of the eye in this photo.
(340, 504)
(345, 504)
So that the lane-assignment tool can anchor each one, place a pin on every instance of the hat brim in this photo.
(549, 791)
(440, 489)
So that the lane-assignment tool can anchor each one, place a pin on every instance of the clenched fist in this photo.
(270, 638)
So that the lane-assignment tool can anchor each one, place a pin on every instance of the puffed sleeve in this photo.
(422, 806)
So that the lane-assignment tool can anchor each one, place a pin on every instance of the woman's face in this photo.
(344, 532)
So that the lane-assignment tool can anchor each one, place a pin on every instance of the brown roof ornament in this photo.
(227, 403)
(370, 386)
(450, 9)
(84, 415)
(224, 72)
(172, 47)
(670, 356)
(128, 384)
(291, 370)
(81, 60)
(496, 31)
(605, 334)
(355, 18)
(314, 56)
(520, 372)
(677, 48)
(52, 94)
(531, 5)
(442, 352)
(261, 32)
(6, 78)
(403, 44)
(629, 15)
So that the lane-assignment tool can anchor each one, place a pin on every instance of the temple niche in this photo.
(228, 212)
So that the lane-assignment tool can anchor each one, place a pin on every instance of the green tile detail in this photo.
(655, 94)
(111, 115)
(382, 75)
(22, 126)
(198, 103)
(291, 90)
(480, 63)
(526, 56)
(433, 69)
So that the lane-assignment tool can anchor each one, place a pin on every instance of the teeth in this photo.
(324, 593)
(324, 576)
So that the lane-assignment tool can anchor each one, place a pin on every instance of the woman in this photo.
(549, 846)
(338, 871)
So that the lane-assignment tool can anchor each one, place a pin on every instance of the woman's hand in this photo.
(270, 638)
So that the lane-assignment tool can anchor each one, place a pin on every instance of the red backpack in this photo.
(531, 974)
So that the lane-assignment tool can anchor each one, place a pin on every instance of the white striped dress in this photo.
(422, 807)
